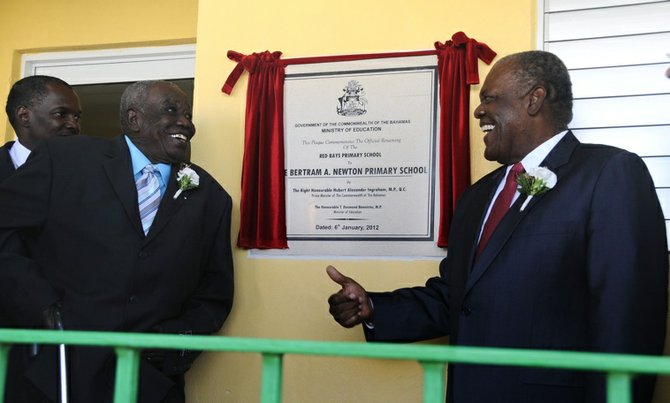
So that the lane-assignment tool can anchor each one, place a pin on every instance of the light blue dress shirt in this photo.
(140, 161)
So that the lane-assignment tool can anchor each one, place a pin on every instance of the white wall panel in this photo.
(622, 51)
(606, 22)
(645, 141)
(621, 111)
(562, 5)
(660, 170)
(617, 81)
(664, 198)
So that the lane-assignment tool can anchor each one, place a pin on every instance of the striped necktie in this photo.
(148, 196)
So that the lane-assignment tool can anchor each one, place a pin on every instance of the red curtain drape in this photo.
(262, 206)
(457, 69)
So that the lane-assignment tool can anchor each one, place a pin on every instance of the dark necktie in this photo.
(500, 207)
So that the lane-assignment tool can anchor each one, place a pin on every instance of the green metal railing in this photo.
(619, 368)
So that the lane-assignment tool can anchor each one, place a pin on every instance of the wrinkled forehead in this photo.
(168, 94)
(501, 74)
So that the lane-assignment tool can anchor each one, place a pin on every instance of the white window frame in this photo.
(113, 65)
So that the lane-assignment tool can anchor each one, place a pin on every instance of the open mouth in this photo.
(180, 137)
(487, 128)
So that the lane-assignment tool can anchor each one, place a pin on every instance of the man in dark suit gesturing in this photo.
(105, 258)
(580, 266)
(38, 107)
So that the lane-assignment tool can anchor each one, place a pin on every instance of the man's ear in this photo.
(22, 116)
(133, 120)
(536, 100)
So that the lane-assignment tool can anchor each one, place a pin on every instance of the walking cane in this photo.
(58, 322)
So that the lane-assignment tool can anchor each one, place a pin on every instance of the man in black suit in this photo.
(99, 261)
(582, 266)
(38, 107)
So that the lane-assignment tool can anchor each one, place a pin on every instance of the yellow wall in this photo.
(28, 26)
(279, 298)
(287, 298)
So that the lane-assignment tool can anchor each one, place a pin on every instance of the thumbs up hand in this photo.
(350, 305)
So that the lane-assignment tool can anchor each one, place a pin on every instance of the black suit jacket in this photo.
(583, 267)
(6, 164)
(6, 170)
(80, 221)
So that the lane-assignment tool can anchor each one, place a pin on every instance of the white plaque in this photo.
(360, 157)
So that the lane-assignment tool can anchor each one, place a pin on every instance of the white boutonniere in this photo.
(187, 179)
(535, 182)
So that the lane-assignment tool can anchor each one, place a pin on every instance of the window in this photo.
(100, 76)
(617, 52)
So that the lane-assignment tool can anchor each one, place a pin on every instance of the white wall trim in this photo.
(113, 65)
(539, 38)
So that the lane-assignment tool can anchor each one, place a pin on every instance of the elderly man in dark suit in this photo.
(581, 265)
(122, 235)
(38, 107)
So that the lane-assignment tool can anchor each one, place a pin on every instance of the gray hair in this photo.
(135, 97)
(538, 67)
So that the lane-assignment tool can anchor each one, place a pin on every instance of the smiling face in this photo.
(57, 114)
(163, 129)
(503, 116)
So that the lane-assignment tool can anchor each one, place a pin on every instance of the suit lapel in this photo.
(6, 163)
(119, 169)
(168, 207)
(561, 154)
(558, 157)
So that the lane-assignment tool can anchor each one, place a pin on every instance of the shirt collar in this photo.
(19, 154)
(140, 161)
(534, 158)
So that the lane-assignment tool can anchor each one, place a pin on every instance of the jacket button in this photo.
(132, 299)
(466, 310)
(143, 254)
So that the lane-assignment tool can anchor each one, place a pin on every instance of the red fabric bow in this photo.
(248, 63)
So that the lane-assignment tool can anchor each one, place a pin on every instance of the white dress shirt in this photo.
(18, 153)
(532, 160)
